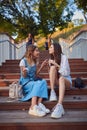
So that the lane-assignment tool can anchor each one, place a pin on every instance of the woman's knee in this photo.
(65, 82)
(61, 79)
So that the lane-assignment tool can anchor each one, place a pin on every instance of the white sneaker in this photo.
(36, 111)
(53, 96)
(46, 110)
(58, 111)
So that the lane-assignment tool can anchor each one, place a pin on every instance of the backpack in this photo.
(79, 83)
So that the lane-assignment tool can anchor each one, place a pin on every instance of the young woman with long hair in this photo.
(59, 75)
(33, 88)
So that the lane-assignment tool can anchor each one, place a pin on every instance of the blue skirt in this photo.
(36, 88)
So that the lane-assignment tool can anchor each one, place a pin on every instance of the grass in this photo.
(66, 33)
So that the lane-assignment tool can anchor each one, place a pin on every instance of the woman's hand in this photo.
(53, 63)
(45, 62)
(24, 71)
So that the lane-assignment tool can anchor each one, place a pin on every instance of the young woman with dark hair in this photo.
(59, 75)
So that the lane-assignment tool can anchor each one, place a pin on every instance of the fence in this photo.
(11, 51)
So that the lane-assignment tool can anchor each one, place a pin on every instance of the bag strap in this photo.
(26, 65)
(25, 83)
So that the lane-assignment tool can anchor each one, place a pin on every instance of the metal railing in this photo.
(11, 51)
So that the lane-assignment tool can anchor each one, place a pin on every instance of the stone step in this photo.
(70, 102)
(45, 70)
(6, 67)
(71, 61)
(44, 55)
(73, 75)
(10, 76)
(21, 120)
(4, 91)
(71, 64)
(13, 113)
(6, 82)
(43, 75)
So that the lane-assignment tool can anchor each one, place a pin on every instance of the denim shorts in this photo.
(68, 78)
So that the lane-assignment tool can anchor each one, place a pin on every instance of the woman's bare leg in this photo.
(39, 100)
(63, 83)
(52, 76)
(33, 102)
(59, 110)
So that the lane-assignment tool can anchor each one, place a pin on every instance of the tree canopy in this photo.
(6, 26)
(82, 4)
(51, 15)
(35, 16)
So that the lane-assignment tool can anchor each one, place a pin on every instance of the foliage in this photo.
(34, 16)
(66, 33)
(20, 15)
(5, 26)
(82, 4)
(69, 32)
(50, 15)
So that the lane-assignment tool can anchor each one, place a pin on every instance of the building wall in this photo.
(20, 51)
(65, 47)
(10, 50)
(82, 35)
(4, 37)
(7, 49)
(78, 48)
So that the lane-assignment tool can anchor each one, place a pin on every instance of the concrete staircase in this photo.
(14, 114)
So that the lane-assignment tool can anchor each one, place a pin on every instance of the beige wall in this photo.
(79, 49)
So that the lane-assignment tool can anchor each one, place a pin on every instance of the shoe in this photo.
(43, 108)
(58, 111)
(53, 96)
(36, 111)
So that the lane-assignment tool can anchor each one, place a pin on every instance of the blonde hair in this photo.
(29, 52)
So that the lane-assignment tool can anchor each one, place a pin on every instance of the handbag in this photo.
(15, 90)
(78, 83)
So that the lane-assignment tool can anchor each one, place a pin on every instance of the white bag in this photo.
(15, 90)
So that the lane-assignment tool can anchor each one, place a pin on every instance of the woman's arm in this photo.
(44, 63)
(64, 69)
(23, 68)
(23, 71)
(54, 63)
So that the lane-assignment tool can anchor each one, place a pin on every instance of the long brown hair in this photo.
(29, 53)
(57, 53)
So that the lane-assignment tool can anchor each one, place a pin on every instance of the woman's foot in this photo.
(44, 109)
(53, 96)
(36, 111)
(58, 111)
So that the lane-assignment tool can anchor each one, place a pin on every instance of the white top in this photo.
(64, 66)
(22, 63)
